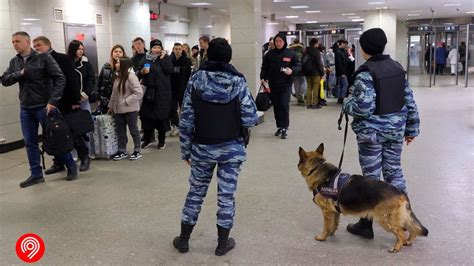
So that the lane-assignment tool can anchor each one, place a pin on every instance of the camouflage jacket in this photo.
(367, 125)
(218, 87)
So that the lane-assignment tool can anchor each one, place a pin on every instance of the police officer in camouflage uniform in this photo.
(385, 114)
(217, 111)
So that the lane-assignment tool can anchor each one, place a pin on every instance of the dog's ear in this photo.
(303, 155)
(320, 149)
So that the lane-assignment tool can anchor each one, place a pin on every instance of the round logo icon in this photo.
(30, 248)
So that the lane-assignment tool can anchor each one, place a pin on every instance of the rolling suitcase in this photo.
(105, 137)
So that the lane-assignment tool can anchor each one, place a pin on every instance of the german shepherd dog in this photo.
(360, 196)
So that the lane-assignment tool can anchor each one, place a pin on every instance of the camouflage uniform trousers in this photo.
(382, 156)
(201, 175)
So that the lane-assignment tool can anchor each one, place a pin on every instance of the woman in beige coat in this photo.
(124, 105)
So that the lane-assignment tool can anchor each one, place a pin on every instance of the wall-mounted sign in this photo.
(297, 32)
(324, 32)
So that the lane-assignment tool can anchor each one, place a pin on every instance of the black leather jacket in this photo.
(36, 88)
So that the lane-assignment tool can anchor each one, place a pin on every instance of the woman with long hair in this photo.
(124, 104)
(106, 77)
(87, 76)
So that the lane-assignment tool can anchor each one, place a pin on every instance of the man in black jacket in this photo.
(140, 53)
(38, 96)
(179, 80)
(278, 67)
(70, 100)
(341, 70)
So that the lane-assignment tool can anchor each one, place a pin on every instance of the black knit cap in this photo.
(156, 42)
(373, 41)
(219, 50)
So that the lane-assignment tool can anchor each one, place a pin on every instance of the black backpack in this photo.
(57, 137)
(306, 65)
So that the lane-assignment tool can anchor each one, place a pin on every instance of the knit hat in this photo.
(373, 41)
(156, 42)
(219, 50)
(195, 47)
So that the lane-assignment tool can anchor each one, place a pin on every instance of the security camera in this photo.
(265, 17)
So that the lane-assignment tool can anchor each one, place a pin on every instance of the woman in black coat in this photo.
(88, 95)
(154, 113)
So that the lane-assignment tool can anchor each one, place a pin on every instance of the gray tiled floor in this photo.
(128, 212)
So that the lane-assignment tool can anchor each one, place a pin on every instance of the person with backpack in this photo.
(38, 96)
(278, 67)
(314, 71)
(88, 96)
(155, 110)
(106, 78)
(385, 114)
(70, 100)
(124, 104)
(217, 111)
(299, 80)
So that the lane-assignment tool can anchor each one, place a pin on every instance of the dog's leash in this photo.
(339, 122)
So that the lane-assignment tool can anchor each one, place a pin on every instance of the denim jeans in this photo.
(30, 120)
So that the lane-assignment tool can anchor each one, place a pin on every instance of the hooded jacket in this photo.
(181, 74)
(276, 59)
(129, 101)
(216, 87)
(42, 82)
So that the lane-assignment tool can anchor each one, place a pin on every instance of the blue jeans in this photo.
(30, 120)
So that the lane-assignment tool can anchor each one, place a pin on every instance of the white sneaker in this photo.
(174, 131)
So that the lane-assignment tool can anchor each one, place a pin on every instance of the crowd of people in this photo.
(443, 56)
(198, 95)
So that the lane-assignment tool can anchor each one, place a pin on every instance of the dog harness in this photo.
(332, 187)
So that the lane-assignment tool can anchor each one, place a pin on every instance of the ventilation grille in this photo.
(98, 19)
(58, 15)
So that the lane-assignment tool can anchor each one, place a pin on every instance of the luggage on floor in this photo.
(105, 137)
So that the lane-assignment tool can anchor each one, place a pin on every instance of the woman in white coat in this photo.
(453, 60)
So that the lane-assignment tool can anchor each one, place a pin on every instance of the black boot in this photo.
(72, 174)
(85, 163)
(362, 228)
(56, 168)
(181, 242)
(224, 243)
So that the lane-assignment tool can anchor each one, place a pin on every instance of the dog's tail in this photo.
(415, 224)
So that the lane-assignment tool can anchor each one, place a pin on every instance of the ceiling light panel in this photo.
(452, 4)
(313, 11)
(376, 2)
(348, 14)
(291, 16)
(201, 4)
(299, 7)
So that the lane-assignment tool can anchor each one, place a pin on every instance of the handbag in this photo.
(263, 100)
(80, 122)
(322, 95)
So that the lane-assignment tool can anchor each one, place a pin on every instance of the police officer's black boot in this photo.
(224, 243)
(362, 228)
(181, 242)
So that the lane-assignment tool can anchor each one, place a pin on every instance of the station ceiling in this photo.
(336, 11)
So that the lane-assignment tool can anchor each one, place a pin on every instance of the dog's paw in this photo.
(321, 237)
(393, 250)
(407, 243)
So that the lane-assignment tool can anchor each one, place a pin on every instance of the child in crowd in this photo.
(124, 104)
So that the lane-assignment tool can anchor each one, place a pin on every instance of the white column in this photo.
(402, 42)
(386, 20)
(246, 38)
